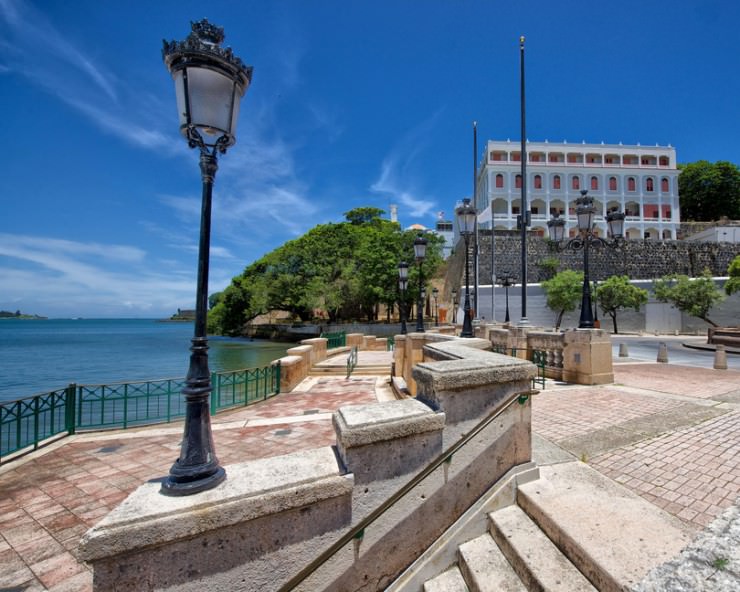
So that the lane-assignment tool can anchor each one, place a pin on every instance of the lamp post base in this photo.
(173, 487)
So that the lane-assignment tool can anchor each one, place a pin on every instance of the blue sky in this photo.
(352, 104)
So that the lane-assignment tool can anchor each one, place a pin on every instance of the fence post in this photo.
(214, 392)
(70, 408)
(277, 378)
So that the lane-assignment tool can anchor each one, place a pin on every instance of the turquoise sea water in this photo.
(42, 355)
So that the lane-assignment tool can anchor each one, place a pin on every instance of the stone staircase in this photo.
(571, 530)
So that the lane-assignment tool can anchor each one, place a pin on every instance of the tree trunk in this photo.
(613, 315)
(559, 319)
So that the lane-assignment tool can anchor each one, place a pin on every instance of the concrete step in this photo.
(448, 581)
(342, 371)
(485, 568)
(612, 535)
(534, 557)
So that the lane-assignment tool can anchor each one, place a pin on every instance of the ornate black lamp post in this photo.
(506, 283)
(435, 293)
(585, 211)
(209, 83)
(466, 215)
(455, 302)
(420, 251)
(403, 278)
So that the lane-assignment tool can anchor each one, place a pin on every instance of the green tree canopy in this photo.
(733, 284)
(616, 293)
(693, 296)
(708, 191)
(563, 293)
(343, 271)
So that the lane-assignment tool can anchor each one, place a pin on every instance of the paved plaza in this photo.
(670, 433)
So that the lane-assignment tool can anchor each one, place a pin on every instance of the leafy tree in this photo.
(617, 292)
(693, 296)
(363, 215)
(563, 293)
(708, 191)
(344, 271)
(733, 284)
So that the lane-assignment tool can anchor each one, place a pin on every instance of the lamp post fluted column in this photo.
(403, 274)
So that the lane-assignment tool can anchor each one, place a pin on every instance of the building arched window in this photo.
(664, 185)
(612, 183)
(518, 181)
(631, 184)
(594, 183)
(538, 182)
(499, 180)
(556, 182)
(575, 182)
(649, 184)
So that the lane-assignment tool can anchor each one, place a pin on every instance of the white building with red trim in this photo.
(641, 181)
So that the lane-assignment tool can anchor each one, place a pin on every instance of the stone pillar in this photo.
(293, 369)
(399, 355)
(384, 444)
(720, 357)
(587, 357)
(318, 354)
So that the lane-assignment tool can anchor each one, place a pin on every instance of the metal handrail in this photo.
(352, 360)
(357, 531)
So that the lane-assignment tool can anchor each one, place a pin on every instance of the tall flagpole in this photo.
(524, 215)
(475, 204)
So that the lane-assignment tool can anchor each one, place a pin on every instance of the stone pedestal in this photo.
(587, 357)
(383, 444)
(253, 531)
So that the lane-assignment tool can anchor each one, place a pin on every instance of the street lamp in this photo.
(403, 278)
(420, 251)
(466, 215)
(454, 306)
(506, 283)
(585, 211)
(435, 293)
(209, 83)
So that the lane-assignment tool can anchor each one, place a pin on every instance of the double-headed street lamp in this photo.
(435, 293)
(506, 283)
(420, 251)
(586, 239)
(209, 83)
(403, 279)
(466, 215)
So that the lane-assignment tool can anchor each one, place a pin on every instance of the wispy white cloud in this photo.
(58, 277)
(398, 171)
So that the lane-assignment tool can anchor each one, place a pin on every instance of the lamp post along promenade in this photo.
(420, 251)
(586, 240)
(209, 84)
(403, 278)
(466, 219)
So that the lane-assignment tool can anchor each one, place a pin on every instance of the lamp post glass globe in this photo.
(209, 84)
(466, 215)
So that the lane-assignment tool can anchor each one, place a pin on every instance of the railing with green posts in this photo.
(390, 343)
(25, 423)
(538, 358)
(335, 339)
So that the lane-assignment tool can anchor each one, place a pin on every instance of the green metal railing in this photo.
(538, 358)
(27, 422)
(390, 344)
(335, 339)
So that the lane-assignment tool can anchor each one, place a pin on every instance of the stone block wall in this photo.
(638, 259)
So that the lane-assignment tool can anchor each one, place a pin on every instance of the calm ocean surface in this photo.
(42, 355)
